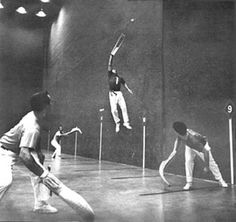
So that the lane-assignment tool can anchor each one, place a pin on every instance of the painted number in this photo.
(229, 108)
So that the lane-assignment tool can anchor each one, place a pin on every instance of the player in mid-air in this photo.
(195, 145)
(116, 96)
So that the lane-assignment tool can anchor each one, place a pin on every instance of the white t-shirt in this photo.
(57, 136)
(25, 134)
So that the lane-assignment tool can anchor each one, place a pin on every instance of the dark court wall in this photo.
(80, 43)
(177, 58)
(21, 68)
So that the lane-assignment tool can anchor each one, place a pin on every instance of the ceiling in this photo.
(30, 20)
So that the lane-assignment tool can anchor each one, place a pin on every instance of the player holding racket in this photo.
(115, 95)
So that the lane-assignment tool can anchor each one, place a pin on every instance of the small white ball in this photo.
(132, 20)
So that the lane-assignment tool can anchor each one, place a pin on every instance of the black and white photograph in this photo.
(117, 110)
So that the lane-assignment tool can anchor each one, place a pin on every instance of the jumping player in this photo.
(23, 141)
(195, 144)
(116, 96)
(56, 141)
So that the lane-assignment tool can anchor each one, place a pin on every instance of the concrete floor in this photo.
(121, 193)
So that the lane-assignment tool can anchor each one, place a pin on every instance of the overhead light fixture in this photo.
(1, 5)
(41, 13)
(45, 1)
(21, 10)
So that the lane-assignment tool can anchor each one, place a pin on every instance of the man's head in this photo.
(114, 71)
(40, 101)
(60, 128)
(180, 128)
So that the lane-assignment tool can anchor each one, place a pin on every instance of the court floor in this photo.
(121, 193)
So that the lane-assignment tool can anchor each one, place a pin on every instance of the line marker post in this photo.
(144, 140)
(230, 110)
(100, 137)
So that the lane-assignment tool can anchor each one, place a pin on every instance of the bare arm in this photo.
(66, 134)
(129, 90)
(29, 161)
(41, 157)
(177, 144)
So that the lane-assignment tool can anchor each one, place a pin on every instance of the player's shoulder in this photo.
(122, 78)
(192, 132)
(29, 123)
(58, 133)
(195, 134)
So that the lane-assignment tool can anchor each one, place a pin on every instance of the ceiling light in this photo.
(45, 1)
(1, 5)
(41, 13)
(21, 10)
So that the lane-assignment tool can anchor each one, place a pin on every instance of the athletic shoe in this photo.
(127, 125)
(117, 127)
(188, 186)
(223, 183)
(45, 209)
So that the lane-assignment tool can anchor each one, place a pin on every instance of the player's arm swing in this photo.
(27, 157)
(75, 129)
(129, 90)
(30, 162)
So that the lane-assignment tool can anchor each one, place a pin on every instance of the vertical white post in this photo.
(231, 150)
(144, 142)
(76, 143)
(100, 143)
(49, 135)
(100, 138)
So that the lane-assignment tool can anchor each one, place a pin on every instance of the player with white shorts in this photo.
(116, 96)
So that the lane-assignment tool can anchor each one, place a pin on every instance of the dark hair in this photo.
(180, 128)
(39, 101)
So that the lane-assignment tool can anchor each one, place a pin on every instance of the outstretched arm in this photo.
(177, 144)
(110, 63)
(30, 162)
(129, 90)
(66, 134)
